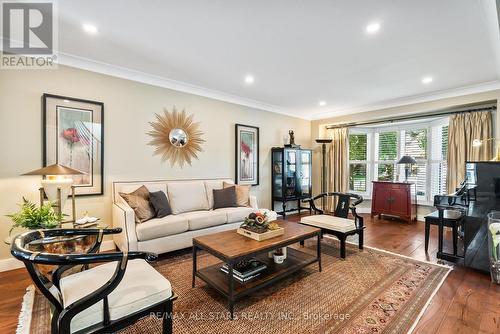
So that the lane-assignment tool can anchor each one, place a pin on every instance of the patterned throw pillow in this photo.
(139, 201)
(242, 193)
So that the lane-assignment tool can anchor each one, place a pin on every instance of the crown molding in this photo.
(154, 80)
(414, 99)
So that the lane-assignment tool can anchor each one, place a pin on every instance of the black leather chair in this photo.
(341, 227)
(97, 300)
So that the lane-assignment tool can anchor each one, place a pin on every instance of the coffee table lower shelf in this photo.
(295, 261)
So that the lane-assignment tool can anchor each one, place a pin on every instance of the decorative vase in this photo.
(494, 245)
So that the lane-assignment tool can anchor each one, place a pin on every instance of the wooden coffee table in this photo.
(231, 247)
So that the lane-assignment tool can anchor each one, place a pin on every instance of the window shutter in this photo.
(388, 146)
(357, 147)
(416, 143)
(439, 166)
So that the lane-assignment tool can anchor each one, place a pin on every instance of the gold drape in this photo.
(337, 162)
(463, 129)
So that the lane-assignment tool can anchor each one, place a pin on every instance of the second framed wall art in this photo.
(247, 154)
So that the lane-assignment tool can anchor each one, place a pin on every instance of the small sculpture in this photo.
(292, 138)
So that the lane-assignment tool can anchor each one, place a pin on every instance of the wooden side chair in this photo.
(337, 224)
(104, 298)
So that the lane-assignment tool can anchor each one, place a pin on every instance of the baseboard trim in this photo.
(12, 263)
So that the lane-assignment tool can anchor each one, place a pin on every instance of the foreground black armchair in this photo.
(338, 224)
(104, 298)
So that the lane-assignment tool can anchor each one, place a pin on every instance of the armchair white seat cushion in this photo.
(202, 219)
(237, 214)
(161, 227)
(142, 286)
(329, 222)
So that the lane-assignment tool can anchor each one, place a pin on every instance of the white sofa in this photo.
(191, 202)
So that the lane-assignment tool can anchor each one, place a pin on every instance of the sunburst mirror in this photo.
(176, 137)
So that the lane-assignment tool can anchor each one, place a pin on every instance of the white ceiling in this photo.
(300, 52)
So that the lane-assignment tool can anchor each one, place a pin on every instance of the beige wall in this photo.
(129, 106)
(318, 126)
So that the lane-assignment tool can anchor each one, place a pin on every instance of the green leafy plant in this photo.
(32, 217)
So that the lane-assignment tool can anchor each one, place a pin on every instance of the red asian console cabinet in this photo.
(394, 199)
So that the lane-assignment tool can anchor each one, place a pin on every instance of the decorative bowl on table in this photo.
(259, 227)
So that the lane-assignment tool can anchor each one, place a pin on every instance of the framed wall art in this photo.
(73, 136)
(247, 154)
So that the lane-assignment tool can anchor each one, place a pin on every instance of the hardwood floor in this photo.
(467, 302)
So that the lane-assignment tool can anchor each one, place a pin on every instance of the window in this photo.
(386, 155)
(358, 148)
(374, 153)
(439, 154)
(415, 145)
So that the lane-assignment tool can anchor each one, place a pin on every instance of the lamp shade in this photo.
(55, 169)
(406, 159)
(55, 186)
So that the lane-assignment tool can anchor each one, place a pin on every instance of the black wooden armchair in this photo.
(104, 298)
(338, 224)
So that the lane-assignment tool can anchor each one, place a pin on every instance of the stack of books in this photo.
(244, 273)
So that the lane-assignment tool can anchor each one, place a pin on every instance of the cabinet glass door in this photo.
(290, 173)
(278, 173)
(305, 173)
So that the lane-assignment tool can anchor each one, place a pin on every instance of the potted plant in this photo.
(32, 217)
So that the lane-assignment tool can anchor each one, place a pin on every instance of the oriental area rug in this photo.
(372, 291)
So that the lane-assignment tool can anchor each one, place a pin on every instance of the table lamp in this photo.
(56, 187)
(407, 161)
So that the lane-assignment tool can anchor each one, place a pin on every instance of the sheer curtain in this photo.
(463, 129)
(337, 161)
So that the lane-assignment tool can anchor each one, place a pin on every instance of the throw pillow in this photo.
(139, 201)
(242, 193)
(224, 198)
(160, 203)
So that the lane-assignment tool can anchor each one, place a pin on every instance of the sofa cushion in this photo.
(210, 185)
(242, 193)
(203, 219)
(139, 201)
(161, 227)
(224, 198)
(160, 203)
(187, 196)
(237, 214)
(141, 287)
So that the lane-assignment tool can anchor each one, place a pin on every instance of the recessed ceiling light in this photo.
(427, 80)
(322, 103)
(249, 79)
(373, 28)
(89, 28)
(67, 101)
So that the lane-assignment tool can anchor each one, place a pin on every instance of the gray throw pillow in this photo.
(160, 203)
(224, 198)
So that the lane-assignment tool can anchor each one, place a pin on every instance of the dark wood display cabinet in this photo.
(394, 199)
(291, 177)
